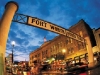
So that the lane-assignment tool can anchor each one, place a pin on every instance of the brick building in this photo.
(74, 50)
(97, 37)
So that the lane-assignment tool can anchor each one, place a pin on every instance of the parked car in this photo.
(77, 67)
(45, 67)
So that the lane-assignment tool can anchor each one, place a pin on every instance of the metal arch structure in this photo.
(20, 18)
(34, 21)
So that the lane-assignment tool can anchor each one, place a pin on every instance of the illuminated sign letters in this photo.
(52, 27)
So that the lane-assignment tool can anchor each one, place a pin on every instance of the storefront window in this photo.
(77, 59)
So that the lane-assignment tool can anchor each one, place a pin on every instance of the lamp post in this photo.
(63, 51)
(13, 44)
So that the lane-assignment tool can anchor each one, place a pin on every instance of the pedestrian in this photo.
(32, 70)
(98, 58)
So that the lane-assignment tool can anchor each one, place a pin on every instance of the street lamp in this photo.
(63, 51)
(13, 44)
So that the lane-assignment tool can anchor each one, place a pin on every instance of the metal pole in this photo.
(5, 22)
(12, 54)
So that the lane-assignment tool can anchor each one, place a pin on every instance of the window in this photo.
(51, 49)
(99, 35)
(81, 33)
(69, 40)
(38, 54)
(70, 50)
(54, 49)
(81, 45)
(60, 44)
(32, 57)
(35, 55)
(42, 52)
(66, 41)
(46, 51)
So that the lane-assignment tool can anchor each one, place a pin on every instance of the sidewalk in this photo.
(98, 65)
(66, 72)
(49, 72)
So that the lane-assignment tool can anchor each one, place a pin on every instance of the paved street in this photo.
(95, 71)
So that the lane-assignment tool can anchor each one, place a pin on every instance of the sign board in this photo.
(52, 27)
(82, 56)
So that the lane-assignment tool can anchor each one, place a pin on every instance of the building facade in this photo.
(97, 38)
(8, 60)
(53, 50)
